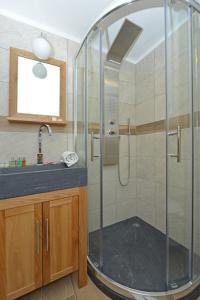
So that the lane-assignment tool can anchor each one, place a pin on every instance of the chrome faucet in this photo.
(40, 155)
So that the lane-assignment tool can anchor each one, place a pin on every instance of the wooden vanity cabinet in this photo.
(60, 238)
(43, 238)
(21, 246)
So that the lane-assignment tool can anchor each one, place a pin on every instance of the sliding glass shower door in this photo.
(195, 19)
(93, 132)
(180, 143)
(143, 149)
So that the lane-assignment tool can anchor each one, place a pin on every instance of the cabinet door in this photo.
(21, 230)
(60, 238)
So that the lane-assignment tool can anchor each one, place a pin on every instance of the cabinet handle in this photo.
(38, 237)
(47, 234)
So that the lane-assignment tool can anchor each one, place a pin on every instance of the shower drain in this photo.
(136, 225)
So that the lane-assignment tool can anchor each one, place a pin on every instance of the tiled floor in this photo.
(67, 289)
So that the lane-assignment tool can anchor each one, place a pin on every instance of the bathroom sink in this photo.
(34, 179)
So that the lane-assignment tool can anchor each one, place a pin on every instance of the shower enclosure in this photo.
(137, 130)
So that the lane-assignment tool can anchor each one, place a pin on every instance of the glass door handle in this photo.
(93, 137)
(178, 134)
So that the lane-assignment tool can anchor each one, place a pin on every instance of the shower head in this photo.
(125, 39)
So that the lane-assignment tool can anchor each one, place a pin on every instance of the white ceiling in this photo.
(73, 18)
(69, 18)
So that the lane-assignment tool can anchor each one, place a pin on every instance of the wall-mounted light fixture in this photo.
(42, 48)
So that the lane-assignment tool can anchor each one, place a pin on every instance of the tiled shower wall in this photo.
(119, 202)
(151, 147)
(142, 99)
(20, 139)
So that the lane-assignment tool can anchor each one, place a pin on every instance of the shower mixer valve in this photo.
(111, 132)
(111, 122)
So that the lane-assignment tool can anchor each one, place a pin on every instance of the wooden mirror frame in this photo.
(14, 116)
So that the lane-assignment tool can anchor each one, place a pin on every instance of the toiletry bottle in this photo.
(12, 162)
(39, 158)
(18, 162)
(24, 162)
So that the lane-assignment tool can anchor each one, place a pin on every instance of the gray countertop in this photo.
(16, 182)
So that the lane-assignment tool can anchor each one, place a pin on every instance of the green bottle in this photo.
(18, 162)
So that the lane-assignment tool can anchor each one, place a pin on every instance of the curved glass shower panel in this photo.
(141, 78)
(80, 83)
(93, 151)
(179, 143)
(196, 117)
(134, 157)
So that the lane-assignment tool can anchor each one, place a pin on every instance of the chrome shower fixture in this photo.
(125, 39)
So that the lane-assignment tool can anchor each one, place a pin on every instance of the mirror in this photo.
(37, 89)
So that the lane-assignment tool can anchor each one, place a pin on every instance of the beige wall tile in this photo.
(110, 172)
(4, 65)
(160, 81)
(126, 92)
(180, 174)
(72, 49)
(144, 90)
(127, 72)
(59, 46)
(70, 80)
(93, 84)
(94, 196)
(145, 168)
(109, 191)
(145, 145)
(160, 55)
(93, 171)
(126, 193)
(52, 146)
(145, 112)
(179, 100)
(160, 107)
(126, 111)
(109, 214)
(16, 34)
(179, 202)
(145, 67)
(146, 201)
(125, 210)
(160, 145)
(4, 105)
(160, 206)
(94, 221)
(133, 145)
